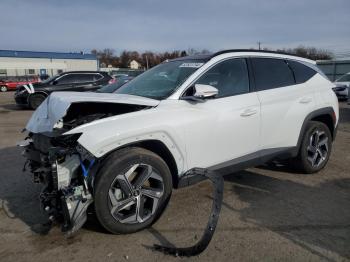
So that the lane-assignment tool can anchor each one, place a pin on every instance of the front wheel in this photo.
(3, 88)
(315, 148)
(131, 190)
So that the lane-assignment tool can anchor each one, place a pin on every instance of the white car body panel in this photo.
(163, 123)
(283, 112)
(199, 134)
(222, 129)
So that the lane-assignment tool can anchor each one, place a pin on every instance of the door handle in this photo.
(305, 100)
(249, 112)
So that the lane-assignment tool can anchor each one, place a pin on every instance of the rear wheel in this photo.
(315, 148)
(3, 88)
(35, 100)
(131, 190)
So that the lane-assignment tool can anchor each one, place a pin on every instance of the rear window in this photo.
(271, 73)
(302, 73)
(344, 78)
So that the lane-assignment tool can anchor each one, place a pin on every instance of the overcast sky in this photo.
(158, 25)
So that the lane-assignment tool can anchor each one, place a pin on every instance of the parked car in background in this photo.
(110, 88)
(11, 83)
(34, 94)
(342, 86)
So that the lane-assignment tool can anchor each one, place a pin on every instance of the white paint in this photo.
(31, 88)
(199, 134)
(28, 89)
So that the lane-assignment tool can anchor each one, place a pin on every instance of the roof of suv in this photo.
(84, 72)
(207, 57)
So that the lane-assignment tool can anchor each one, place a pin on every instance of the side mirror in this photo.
(54, 82)
(205, 91)
(201, 92)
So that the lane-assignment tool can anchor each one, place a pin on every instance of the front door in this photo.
(226, 127)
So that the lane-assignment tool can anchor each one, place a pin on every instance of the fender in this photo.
(161, 136)
(319, 112)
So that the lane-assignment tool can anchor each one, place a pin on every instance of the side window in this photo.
(66, 79)
(271, 73)
(230, 77)
(97, 77)
(83, 78)
(302, 73)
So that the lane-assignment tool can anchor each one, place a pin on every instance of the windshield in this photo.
(344, 78)
(161, 81)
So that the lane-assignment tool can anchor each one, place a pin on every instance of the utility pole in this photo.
(146, 62)
(259, 44)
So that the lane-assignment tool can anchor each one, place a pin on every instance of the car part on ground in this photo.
(183, 114)
(34, 94)
(218, 187)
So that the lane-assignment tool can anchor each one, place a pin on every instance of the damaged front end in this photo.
(58, 161)
(65, 169)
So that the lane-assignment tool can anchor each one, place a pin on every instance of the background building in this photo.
(134, 65)
(20, 63)
(334, 68)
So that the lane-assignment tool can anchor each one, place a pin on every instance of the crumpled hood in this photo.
(56, 105)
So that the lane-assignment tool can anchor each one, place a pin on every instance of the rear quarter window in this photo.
(302, 73)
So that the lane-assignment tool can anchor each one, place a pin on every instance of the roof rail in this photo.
(251, 50)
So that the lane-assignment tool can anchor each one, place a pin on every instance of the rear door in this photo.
(82, 81)
(88, 82)
(285, 102)
(64, 82)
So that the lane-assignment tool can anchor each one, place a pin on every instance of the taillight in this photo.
(112, 81)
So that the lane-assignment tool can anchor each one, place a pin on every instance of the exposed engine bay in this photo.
(64, 167)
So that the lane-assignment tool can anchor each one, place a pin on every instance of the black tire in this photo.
(3, 88)
(35, 100)
(118, 163)
(303, 162)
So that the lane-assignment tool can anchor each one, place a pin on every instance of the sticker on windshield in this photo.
(193, 65)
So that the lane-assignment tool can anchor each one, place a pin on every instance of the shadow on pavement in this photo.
(14, 107)
(311, 217)
(18, 194)
(344, 113)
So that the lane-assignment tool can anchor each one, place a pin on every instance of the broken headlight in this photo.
(66, 140)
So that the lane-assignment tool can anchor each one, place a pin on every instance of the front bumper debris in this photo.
(66, 194)
(198, 174)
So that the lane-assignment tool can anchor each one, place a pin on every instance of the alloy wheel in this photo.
(134, 195)
(317, 149)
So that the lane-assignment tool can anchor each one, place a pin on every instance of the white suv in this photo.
(125, 152)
